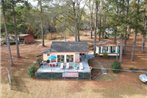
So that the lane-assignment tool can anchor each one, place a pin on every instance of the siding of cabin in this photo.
(65, 53)
(28, 39)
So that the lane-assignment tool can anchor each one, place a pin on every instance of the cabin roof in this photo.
(69, 47)
(108, 42)
(22, 36)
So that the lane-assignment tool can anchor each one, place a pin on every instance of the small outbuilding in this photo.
(26, 38)
(108, 47)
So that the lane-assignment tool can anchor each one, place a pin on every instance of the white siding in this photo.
(97, 50)
(116, 49)
(109, 49)
(45, 57)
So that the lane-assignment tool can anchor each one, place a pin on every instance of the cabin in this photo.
(66, 52)
(26, 38)
(108, 47)
(65, 60)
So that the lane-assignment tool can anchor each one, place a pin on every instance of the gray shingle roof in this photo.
(69, 47)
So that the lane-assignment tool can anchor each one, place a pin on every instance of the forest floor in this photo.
(122, 85)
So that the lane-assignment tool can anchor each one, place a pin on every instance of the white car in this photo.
(143, 78)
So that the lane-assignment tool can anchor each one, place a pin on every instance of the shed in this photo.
(108, 47)
(26, 38)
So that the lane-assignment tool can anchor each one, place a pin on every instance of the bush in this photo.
(105, 55)
(132, 69)
(31, 70)
(116, 66)
(38, 61)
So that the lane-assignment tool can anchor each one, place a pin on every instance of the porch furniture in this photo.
(81, 66)
(62, 65)
(67, 65)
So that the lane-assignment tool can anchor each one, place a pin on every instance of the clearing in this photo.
(122, 85)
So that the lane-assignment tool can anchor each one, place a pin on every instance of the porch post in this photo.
(116, 49)
(97, 50)
(74, 57)
(109, 49)
(65, 58)
(101, 49)
(56, 58)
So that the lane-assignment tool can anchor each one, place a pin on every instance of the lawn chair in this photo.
(51, 65)
(67, 65)
(81, 66)
(62, 65)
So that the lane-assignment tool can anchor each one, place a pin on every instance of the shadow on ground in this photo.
(19, 85)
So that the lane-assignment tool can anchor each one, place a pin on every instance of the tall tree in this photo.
(41, 24)
(144, 30)
(15, 25)
(4, 7)
(90, 5)
(137, 13)
(96, 26)
(75, 18)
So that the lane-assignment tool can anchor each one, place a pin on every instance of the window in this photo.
(69, 58)
(105, 49)
(60, 58)
(113, 49)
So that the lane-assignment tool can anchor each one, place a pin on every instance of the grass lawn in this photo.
(122, 85)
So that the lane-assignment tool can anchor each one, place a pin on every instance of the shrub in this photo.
(38, 61)
(116, 66)
(105, 55)
(132, 69)
(31, 70)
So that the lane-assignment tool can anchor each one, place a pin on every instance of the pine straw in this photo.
(123, 85)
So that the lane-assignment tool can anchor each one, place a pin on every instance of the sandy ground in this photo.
(122, 85)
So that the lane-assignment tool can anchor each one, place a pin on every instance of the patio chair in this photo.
(51, 65)
(67, 65)
(81, 66)
(62, 65)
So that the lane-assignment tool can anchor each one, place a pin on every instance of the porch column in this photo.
(56, 58)
(74, 57)
(116, 49)
(45, 57)
(101, 49)
(65, 58)
(97, 50)
(109, 49)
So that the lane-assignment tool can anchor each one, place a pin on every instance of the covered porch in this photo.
(108, 47)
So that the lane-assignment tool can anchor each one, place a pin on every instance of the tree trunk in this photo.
(95, 33)
(100, 28)
(115, 36)
(16, 37)
(128, 28)
(75, 31)
(121, 51)
(91, 19)
(134, 46)
(42, 31)
(143, 43)
(78, 21)
(144, 34)
(91, 24)
(125, 44)
(8, 46)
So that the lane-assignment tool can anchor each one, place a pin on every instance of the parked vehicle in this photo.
(143, 78)
(12, 42)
